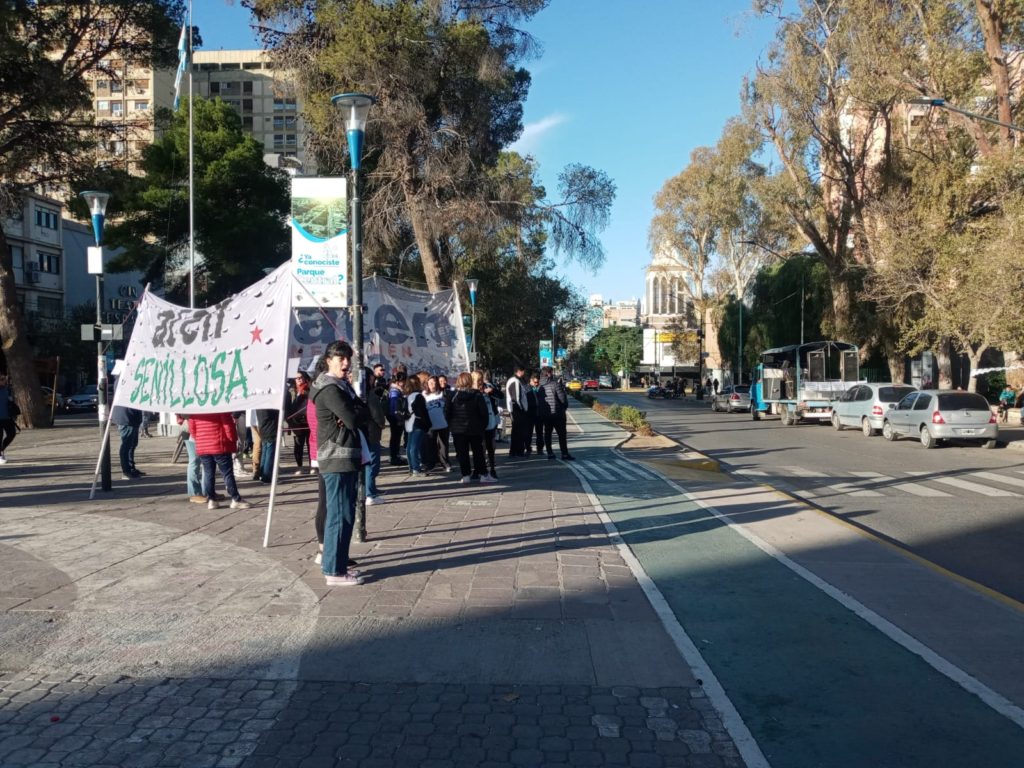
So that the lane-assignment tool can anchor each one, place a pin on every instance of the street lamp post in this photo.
(354, 108)
(941, 103)
(97, 202)
(472, 284)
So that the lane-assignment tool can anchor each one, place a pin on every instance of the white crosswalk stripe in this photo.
(967, 485)
(999, 478)
(638, 469)
(617, 471)
(877, 484)
(914, 489)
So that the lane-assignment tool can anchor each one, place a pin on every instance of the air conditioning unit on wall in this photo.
(31, 272)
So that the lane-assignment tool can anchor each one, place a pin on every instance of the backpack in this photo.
(402, 410)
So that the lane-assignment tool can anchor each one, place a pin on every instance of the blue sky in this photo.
(627, 86)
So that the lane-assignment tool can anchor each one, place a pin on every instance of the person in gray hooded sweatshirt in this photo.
(340, 415)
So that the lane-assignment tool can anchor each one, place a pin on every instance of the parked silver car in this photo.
(933, 415)
(864, 405)
(732, 398)
(84, 399)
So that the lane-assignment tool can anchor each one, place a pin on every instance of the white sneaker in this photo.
(3, 459)
(238, 468)
(466, 480)
(319, 558)
(211, 504)
(371, 500)
(488, 479)
(239, 504)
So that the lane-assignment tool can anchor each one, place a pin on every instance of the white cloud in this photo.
(534, 132)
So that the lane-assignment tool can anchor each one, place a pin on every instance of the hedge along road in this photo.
(814, 683)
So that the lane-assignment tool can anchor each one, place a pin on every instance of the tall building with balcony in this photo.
(265, 98)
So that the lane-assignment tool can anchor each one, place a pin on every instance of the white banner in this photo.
(228, 357)
(319, 226)
(423, 330)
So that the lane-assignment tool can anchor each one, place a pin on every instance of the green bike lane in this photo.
(815, 684)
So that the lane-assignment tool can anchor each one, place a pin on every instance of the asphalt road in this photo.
(960, 507)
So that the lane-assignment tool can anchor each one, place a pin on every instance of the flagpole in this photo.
(191, 178)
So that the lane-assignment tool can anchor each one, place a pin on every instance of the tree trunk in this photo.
(426, 244)
(944, 361)
(992, 27)
(24, 381)
(975, 357)
(897, 369)
(842, 308)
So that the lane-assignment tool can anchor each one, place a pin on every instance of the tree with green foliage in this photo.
(613, 349)
(449, 87)
(48, 51)
(241, 207)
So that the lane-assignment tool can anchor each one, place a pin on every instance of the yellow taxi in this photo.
(575, 385)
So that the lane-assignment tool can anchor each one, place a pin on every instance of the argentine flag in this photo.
(182, 63)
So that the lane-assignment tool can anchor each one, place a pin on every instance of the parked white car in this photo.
(933, 415)
(863, 407)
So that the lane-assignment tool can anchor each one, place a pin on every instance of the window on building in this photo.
(103, 85)
(115, 86)
(278, 141)
(247, 105)
(285, 103)
(247, 123)
(252, 65)
(247, 86)
(48, 306)
(116, 108)
(103, 106)
(289, 139)
(17, 254)
(214, 88)
(46, 218)
(142, 106)
(49, 262)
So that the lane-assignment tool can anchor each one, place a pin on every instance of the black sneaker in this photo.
(567, 457)
(551, 457)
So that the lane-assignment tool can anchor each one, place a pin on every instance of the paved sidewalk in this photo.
(499, 627)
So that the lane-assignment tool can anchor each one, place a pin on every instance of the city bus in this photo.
(798, 382)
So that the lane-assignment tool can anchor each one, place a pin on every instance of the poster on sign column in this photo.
(319, 225)
(545, 353)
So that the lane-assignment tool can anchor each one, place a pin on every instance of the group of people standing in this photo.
(538, 405)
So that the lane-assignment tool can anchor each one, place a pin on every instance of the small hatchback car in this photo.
(863, 406)
(933, 416)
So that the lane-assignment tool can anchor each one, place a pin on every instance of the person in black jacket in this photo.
(296, 419)
(553, 402)
(416, 425)
(534, 423)
(377, 405)
(340, 414)
(266, 419)
(467, 422)
(128, 422)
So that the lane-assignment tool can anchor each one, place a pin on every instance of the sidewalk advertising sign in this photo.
(545, 353)
(319, 226)
(228, 357)
(423, 330)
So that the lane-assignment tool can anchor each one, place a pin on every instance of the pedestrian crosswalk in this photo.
(614, 470)
(814, 484)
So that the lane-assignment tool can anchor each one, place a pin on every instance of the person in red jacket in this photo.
(216, 439)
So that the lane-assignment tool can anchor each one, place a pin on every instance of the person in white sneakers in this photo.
(216, 439)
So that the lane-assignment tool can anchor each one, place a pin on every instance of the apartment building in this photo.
(265, 98)
(125, 97)
(34, 233)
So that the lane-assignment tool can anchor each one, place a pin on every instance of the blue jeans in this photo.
(414, 450)
(340, 489)
(372, 469)
(267, 460)
(211, 464)
(129, 441)
(193, 475)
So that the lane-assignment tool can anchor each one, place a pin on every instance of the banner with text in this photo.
(319, 242)
(228, 357)
(423, 330)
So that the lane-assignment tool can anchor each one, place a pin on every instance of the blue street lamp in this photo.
(97, 202)
(354, 109)
(472, 284)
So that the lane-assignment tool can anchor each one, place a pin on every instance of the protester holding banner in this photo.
(339, 415)
(296, 419)
(266, 419)
(467, 421)
(128, 422)
(216, 439)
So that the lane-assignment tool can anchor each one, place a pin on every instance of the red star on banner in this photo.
(256, 334)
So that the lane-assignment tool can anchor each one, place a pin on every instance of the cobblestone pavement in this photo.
(499, 627)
